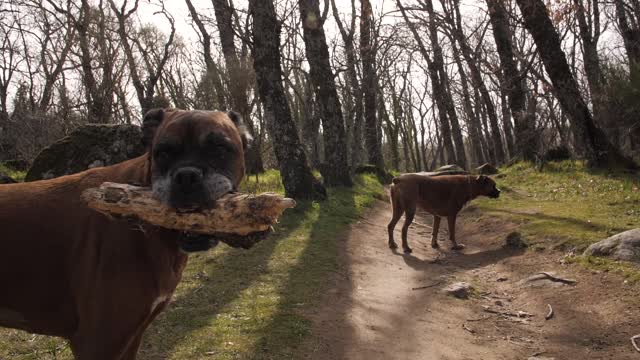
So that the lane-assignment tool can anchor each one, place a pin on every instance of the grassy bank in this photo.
(238, 304)
(569, 206)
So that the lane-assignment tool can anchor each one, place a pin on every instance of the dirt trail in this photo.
(371, 311)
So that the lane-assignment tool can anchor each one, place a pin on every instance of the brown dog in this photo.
(438, 195)
(69, 271)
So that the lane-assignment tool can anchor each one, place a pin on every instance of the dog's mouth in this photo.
(194, 197)
(495, 194)
(192, 242)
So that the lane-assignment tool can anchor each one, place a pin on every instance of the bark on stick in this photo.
(235, 213)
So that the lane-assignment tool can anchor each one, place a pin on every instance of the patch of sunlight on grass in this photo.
(237, 304)
(566, 201)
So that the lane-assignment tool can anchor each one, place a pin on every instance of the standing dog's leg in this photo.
(397, 213)
(132, 350)
(410, 212)
(452, 232)
(434, 233)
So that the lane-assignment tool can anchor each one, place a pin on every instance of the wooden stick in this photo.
(428, 286)
(464, 326)
(550, 313)
(633, 342)
(558, 279)
(519, 314)
(239, 214)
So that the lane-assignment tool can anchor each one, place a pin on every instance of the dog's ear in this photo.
(152, 119)
(246, 137)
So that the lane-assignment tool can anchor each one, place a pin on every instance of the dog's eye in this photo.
(221, 149)
(164, 152)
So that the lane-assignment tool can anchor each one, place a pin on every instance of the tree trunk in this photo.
(297, 178)
(239, 77)
(355, 119)
(473, 121)
(512, 82)
(598, 150)
(322, 78)
(438, 63)
(478, 82)
(589, 35)
(630, 35)
(368, 54)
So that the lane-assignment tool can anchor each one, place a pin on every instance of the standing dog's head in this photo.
(487, 187)
(196, 156)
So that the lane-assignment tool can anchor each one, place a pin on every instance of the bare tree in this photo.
(322, 77)
(239, 75)
(145, 89)
(513, 82)
(597, 148)
(438, 89)
(297, 178)
(368, 54)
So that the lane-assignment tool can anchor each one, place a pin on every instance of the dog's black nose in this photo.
(188, 177)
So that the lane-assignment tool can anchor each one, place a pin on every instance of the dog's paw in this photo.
(407, 250)
(458, 247)
(393, 245)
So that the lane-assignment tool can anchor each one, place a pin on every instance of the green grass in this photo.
(567, 202)
(567, 205)
(239, 304)
(14, 174)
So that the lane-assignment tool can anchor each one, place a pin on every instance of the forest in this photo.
(531, 106)
(406, 86)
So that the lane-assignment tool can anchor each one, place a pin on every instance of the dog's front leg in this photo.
(452, 232)
(434, 233)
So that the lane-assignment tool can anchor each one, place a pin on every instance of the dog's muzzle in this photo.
(495, 194)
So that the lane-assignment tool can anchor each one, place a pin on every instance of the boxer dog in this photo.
(69, 271)
(439, 195)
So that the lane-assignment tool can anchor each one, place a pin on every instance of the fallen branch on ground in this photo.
(633, 342)
(428, 286)
(550, 313)
(519, 314)
(479, 319)
(558, 279)
(464, 326)
(232, 215)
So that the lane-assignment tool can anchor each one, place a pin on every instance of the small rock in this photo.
(460, 290)
(515, 240)
(499, 303)
(502, 278)
(624, 246)
(541, 358)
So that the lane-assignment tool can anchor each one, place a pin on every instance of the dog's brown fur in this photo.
(438, 195)
(72, 272)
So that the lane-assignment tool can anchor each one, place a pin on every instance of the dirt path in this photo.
(371, 311)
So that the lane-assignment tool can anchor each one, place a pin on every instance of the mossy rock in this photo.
(87, 147)
(487, 169)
